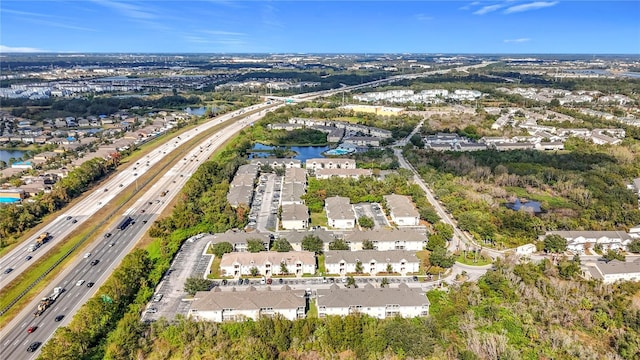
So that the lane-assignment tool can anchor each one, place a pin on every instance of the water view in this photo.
(5, 155)
(526, 205)
(303, 153)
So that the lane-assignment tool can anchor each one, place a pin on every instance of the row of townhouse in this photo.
(381, 303)
(337, 262)
(341, 215)
(612, 271)
(242, 185)
(382, 239)
(579, 241)
(356, 128)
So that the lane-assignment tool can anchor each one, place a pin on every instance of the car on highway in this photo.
(58, 318)
(74, 221)
(34, 346)
(68, 217)
(107, 235)
(79, 282)
(121, 185)
(8, 270)
(87, 255)
(95, 262)
(90, 284)
(29, 257)
(105, 190)
(31, 329)
(111, 244)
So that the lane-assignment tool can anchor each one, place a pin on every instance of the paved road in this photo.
(84, 209)
(14, 338)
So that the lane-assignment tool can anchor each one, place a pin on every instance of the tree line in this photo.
(17, 218)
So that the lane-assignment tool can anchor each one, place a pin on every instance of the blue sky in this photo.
(226, 26)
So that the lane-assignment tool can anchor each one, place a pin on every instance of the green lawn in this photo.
(321, 268)
(313, 310)
(480, 260)
(215, 269)
(319, 219)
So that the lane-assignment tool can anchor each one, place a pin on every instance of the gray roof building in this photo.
(376, 302)
(233, 305)
(401, 206)
(292, 192)
(240, 195)
(367, 256)
(295, 237)
(385, 235)
(339, 208)
(295, 175)
(239, 238)
(292, 212)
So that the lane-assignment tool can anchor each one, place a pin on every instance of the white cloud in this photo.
(487, 9)
(520, 40)
(128, 9)
(10, 49)
(470, 5)
(223, 33)
(424, 17)
(530, 6)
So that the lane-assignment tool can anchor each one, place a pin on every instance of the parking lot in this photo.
(167, 300)
(373, 211)
(264, 210)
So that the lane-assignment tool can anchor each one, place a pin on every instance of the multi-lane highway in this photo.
(14, 338)
(75, 216)
(109, 249)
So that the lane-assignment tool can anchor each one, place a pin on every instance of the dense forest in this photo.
(516, 311)
(584, 189)
(91, 106)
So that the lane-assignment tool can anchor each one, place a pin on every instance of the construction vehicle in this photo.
(46, 302)
(43, 238)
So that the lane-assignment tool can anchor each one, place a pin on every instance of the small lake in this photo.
(528, 205)
(5, 155)
(303, 152)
